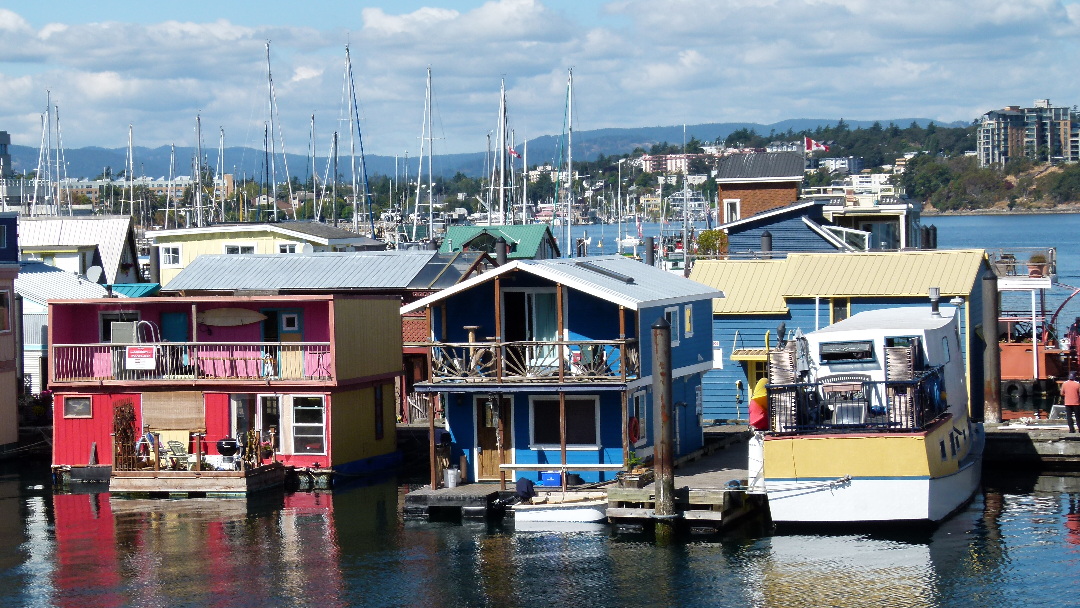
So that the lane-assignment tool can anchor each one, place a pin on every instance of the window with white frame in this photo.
(639, 410)
(170, 256)
(582, 421)
(688, 320)
(731, 209)
(239, 249)
(286, 248)
(308, 425)
(672, 316)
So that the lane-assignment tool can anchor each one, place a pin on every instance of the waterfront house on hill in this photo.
(10, 340)
(217, 367)
(807, 291)
(37, 284)
(511, 345)
(405, 275)
(77, 244)
(176, 248)
(524, 241)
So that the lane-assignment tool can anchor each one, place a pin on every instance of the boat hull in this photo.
(591, 511)
(916, 485)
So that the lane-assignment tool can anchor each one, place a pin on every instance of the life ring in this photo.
(633, 430)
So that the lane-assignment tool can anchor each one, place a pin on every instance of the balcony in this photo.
(206, 361)
(536, 362)
(1030, 262)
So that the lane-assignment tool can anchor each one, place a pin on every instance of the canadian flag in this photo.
(513, 152)
(812, 145)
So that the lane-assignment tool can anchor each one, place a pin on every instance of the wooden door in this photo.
(490, 423)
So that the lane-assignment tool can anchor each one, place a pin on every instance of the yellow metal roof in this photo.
(761, 286)
(756, 286)
(750, 354)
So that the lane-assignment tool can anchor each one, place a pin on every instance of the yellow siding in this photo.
(352, 421)
(809, 457)
(367, 337)
(194, 245)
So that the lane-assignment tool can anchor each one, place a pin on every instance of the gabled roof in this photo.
(316, 232)
(38, 282)
(624, 281)
(761, 167)
(111, 233)
(418, 269)
(796, 208)
(524, 239)
(763, 286)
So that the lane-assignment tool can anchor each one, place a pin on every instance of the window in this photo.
(846, 352)
(840, 309)
(290, 322)
(239, 249)
(3, 237)
(672, 316)
(731, 209)
(309, 425)
(286, 248)
(582, 428)
(77, 407)
(379, 413)
(688, 320)
(639, 409)
(170, 256)
(5, 310)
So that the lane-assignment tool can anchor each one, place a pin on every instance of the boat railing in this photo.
(535, 361)
(150, 361)
(1035, 262)
(854, 402)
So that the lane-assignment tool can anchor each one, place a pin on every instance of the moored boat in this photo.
(868, 422)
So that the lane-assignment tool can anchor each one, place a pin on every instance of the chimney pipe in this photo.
(935, 296)
(500, 251)
(650, 251)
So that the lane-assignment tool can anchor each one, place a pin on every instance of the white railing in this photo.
(192, 361)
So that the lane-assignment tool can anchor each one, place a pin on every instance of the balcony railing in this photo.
(532, 361)
(192, 361)
(854, 403)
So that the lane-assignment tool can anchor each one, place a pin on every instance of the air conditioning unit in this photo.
(123, 332)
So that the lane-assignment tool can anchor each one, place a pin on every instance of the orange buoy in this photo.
(759, 406)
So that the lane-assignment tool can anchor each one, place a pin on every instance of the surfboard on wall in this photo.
(229, 317)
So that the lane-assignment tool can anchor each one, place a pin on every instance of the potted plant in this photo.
(1037, 265)
(636, 475)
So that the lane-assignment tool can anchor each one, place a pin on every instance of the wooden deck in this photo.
(473, 500)
(210, 483)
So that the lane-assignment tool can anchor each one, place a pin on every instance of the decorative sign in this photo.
(139, 357)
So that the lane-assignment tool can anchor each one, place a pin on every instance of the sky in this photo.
(156, 66)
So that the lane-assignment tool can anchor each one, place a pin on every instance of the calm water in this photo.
(1016, 544)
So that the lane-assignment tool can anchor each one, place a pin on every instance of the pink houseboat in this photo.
(213, 394)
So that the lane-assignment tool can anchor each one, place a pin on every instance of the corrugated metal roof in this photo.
(110, 233)
(602, 276)
(765, 165)
(316, 232)
(39, 282)
(761, 286)
(904, 273)
(136, 290)
(324, 270)
(751, 286)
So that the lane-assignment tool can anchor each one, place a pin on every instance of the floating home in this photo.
(282, 376)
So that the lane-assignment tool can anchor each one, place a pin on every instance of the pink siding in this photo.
(73, 437)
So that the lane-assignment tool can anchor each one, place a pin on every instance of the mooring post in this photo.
(663, 456)
(992, 355)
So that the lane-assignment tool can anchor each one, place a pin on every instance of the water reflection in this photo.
(351, 548)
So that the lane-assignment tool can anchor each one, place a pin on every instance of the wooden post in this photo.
(431, 442)
(622, 357)
(198, 449)
(156, 440)
(664, 457)
(498, 330)
(559, 327)
(625, 430)
(992, 355)
(499, 436)
(562, 437)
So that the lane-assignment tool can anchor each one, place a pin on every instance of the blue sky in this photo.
(157, 65)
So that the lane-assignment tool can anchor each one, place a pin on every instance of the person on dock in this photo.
(1070, 392)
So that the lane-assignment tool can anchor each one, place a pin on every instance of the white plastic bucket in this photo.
(452, 477)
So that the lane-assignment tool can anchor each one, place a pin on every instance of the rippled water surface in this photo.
(1016, 544)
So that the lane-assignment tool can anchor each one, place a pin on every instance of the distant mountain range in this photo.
(91, 162)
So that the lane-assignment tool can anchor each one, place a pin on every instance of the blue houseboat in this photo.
(545, 366)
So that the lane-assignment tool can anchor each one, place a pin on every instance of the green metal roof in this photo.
(136, 290)
(525, 240)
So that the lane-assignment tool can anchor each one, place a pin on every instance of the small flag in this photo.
(812, 146)
(513, 152)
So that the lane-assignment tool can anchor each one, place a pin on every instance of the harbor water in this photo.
(1016, 543)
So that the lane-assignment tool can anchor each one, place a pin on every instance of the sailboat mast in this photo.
(685, 205)
(219, 173)
(354, 115)
(430, 167)
(169, 189)
(500, 152)
(524, 180)
(130, 174)
(570, 159)
(198, 173)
